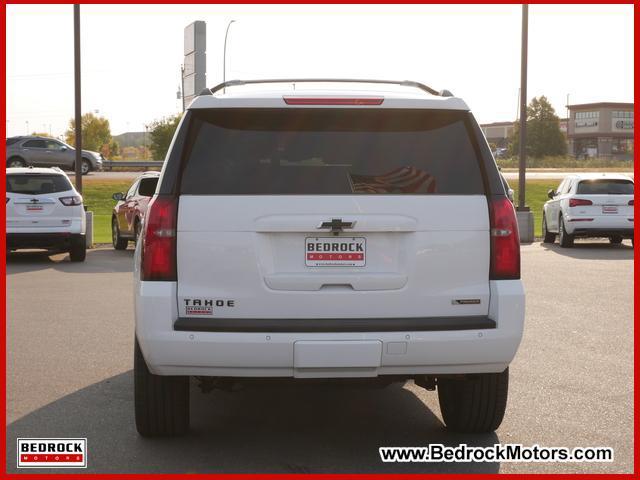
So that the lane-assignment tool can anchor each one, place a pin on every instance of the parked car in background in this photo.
(129, 212)
(589, 205)
(48, 152)
(501, 152)
(328, 232)
(44, 211)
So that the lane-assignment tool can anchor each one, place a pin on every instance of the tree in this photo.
(95, 132)
(111, 149)
(161, 133)
(41, 134)
(544, 137)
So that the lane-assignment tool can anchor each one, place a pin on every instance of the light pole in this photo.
(523, 108)
(224, 54)
(523, 213)
(78, 95)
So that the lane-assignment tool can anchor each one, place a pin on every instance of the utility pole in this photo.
(78, 96)
(523, 109)
(523, 213)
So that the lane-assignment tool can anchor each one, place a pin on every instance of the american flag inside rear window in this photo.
(333, 151)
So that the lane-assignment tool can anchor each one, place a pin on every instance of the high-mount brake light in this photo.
(505, 240)
(364, 101)
(159, 240)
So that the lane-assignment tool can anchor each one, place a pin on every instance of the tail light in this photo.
(505, 240)
(71, 201)
(159, 240)
(577, 202)
(630, 202)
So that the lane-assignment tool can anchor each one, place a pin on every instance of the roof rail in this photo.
(404, 83)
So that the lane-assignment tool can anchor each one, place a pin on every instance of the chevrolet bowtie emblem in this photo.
(336, 225)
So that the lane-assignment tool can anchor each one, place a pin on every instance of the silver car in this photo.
(48, 152)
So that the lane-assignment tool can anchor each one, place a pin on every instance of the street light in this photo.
(224, 54)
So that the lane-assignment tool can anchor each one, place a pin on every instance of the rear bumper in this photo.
(326, 354)
(330, 325)
(600, 225)
(47, 241)
(603, 232)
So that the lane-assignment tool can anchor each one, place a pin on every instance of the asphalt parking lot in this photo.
(69, 374)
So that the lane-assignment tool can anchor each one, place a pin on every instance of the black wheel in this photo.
(475, 404)
(615, 239)
(161, 402)
(78, 250)
(566, 240)
(548, 237)
(16, 162)
(85, 166)
(137, 230)
(119, 243)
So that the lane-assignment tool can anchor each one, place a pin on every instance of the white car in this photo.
(44, 211)
(589, 205)
(339, 229)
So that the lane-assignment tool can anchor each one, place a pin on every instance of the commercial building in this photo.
(602, 129)
(499, 133)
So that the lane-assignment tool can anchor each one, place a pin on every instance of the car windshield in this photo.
(605, 187)
(36, 184)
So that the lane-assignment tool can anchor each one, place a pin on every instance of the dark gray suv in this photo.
(48, 152)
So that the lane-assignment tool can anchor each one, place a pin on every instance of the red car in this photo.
(129, 212)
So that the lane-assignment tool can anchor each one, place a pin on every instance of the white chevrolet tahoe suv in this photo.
(44, 211)
(328, 229)
(589, 205)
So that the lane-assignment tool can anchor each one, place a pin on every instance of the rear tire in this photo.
(615, 240)
(137, 229)
(566, 240)
(16, 162)
(548, 236)
(161, 402)
(475, 404)
(119, 243)
(78, 250)
(85, 166)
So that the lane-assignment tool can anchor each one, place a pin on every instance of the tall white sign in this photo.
(194, 72)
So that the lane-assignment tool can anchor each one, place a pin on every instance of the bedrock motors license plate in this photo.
(335, 251)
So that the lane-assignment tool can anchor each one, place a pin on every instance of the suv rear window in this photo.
(605, 187)
(11, 141)
(30, 184)
(330, 151)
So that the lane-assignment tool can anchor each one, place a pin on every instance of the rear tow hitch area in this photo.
(425, 381)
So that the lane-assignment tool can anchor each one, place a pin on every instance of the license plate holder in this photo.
(609, 209)
(335, 251)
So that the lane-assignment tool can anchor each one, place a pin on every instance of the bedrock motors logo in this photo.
(52, 453)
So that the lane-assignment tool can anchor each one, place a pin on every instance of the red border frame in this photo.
(3, 347)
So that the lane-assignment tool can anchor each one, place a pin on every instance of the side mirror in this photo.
(510, 194)
(63, 148)
(118, 196)
(551, 193)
